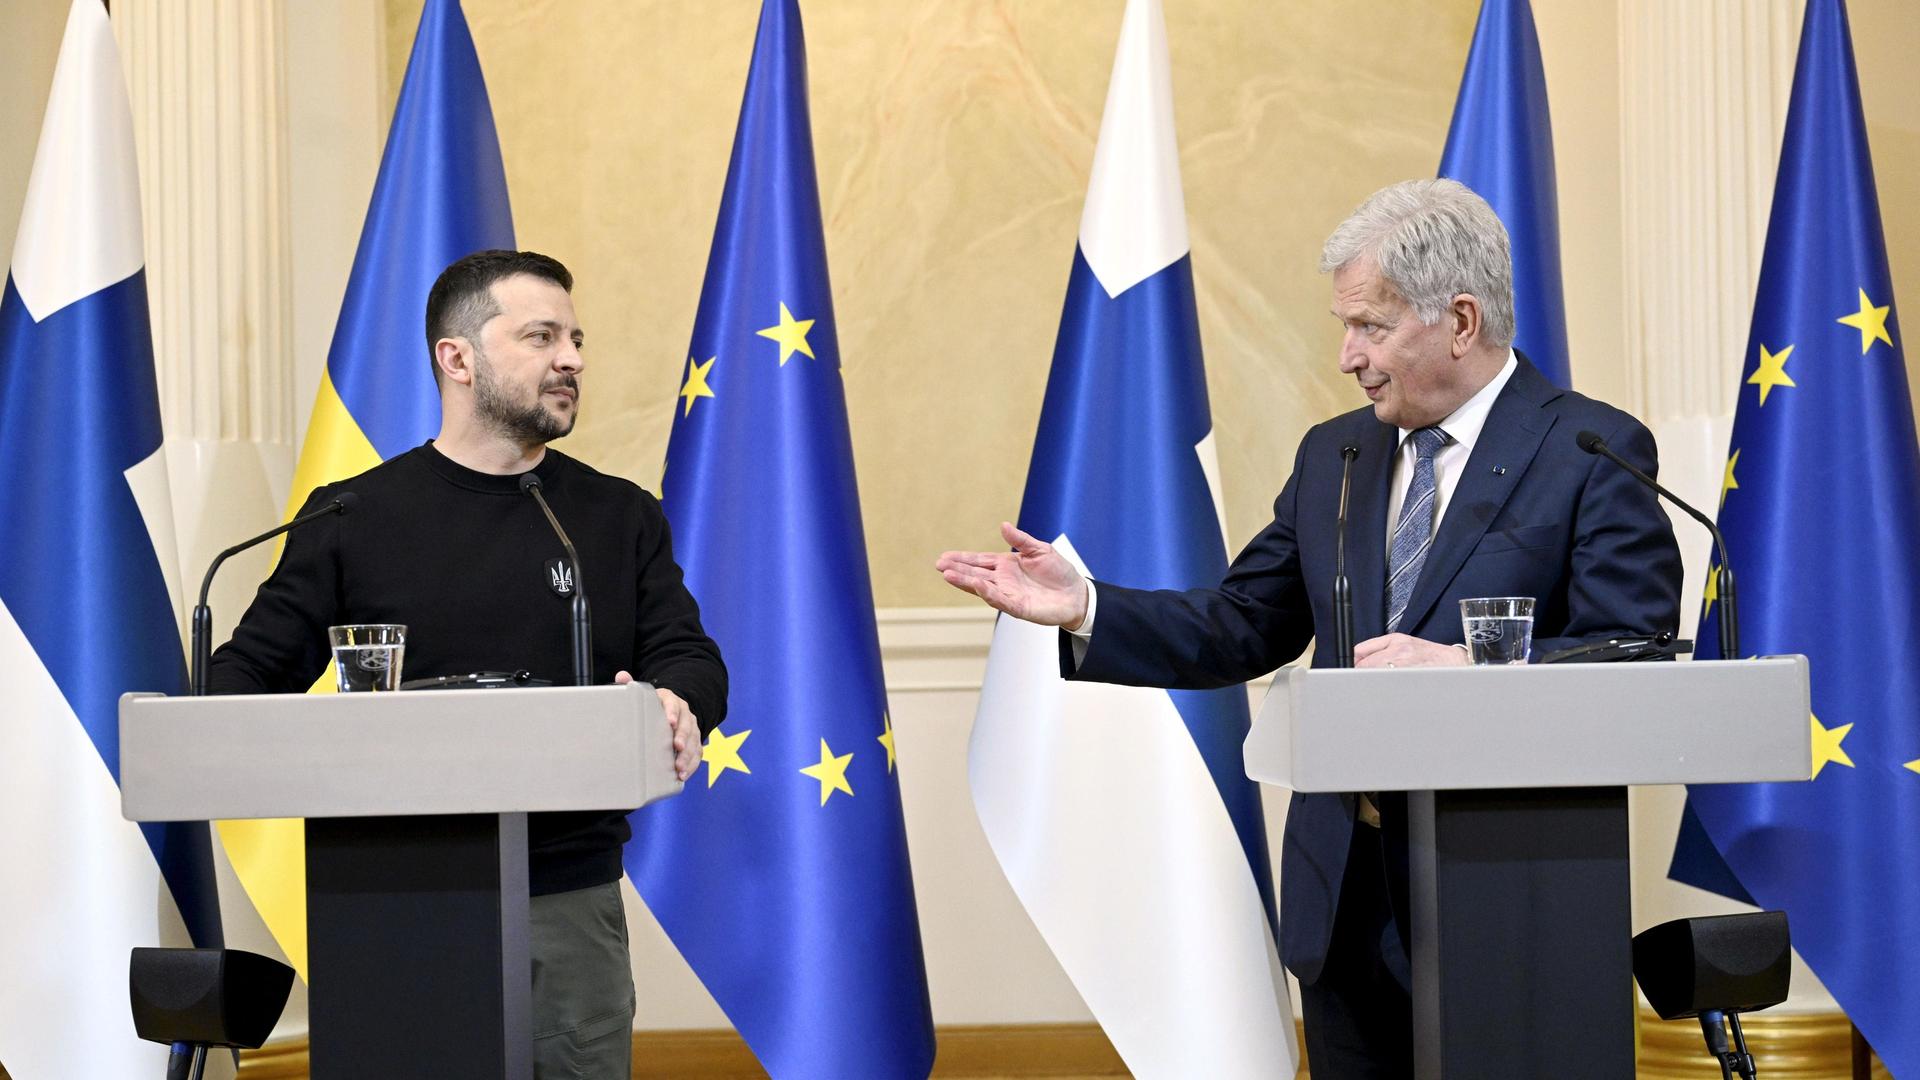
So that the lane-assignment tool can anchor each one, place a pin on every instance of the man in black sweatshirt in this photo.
(444, 541)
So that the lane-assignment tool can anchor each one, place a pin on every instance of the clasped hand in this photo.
(1404, 650)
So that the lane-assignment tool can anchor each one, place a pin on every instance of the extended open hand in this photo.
(1032, 582)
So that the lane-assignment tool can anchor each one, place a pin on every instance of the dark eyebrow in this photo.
(553, 326)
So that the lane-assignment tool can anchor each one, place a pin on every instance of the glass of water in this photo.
(1499, 629)
(368, 655)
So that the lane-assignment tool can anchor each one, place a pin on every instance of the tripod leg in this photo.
(1742, 1060)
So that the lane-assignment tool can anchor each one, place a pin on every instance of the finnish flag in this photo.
(87, 594)
(1122, 816)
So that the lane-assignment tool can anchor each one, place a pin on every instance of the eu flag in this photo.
(1821, 510)
(1501, 145)
(783, 877)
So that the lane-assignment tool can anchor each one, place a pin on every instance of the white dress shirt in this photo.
(1463, 428)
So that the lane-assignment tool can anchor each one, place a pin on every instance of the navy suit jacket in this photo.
(1532, 515)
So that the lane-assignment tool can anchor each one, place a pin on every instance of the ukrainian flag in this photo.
(441, 194)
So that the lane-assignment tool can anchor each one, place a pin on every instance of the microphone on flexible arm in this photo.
(1342, 588)
(203, 616)
(582, 625)
(1729, 620)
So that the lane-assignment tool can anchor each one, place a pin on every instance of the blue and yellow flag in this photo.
(1821, 510)
(441, 194)
(1501, 145)
(782, 876)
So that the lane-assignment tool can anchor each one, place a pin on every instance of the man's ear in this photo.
(1465, 319)
(454, 357)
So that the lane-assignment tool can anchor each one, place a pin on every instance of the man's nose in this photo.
(1353, 356)
(569, 360)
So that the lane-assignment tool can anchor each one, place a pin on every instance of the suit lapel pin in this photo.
(1499, 470)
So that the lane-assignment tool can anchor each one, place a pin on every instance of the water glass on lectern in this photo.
(368, 656)
(1498, 629)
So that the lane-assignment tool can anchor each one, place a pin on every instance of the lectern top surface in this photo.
(424, 752)
(1575, 725)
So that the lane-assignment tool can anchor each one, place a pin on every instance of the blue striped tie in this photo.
(1414, 534)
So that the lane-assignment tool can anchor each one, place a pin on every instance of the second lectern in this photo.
(1516, 782)
(416, 842)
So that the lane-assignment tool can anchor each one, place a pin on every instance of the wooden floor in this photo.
(1789, 1047)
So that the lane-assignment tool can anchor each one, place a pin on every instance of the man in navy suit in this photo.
(1467, 483)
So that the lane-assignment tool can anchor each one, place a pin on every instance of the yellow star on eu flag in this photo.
(791, 334)
(831, 772)
(1772, 371)
(885, 738)
(696, 384)
(1914, 765)
(1729, 484)
(723, 753)
(1870, 321)
(1826, 745)
(1713, 590)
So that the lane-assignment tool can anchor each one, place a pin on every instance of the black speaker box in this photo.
(1724, 962)
(215, 997)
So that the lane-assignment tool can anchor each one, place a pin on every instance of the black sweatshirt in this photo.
(461, 558)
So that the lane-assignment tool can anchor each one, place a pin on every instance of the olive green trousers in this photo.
(582, 985)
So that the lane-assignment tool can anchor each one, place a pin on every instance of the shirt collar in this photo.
(1464, 423)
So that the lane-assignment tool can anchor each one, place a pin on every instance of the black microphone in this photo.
(582, 625)
(203, 616)
(1729, 621)
(1342, 588)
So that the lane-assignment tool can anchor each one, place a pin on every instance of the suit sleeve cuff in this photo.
(1085, 631)
(1075, 642)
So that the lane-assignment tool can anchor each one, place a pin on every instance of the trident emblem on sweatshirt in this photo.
(560, 577)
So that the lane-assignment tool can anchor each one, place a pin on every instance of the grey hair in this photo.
(1432, 240)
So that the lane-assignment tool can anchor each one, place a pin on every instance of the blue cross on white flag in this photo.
(87, 607)
(1123, 816)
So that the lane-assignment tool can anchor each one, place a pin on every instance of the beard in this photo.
(526, 423)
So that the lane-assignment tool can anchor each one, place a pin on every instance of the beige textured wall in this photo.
(1886, 38)
(1583, 94)
(953, 141)
(29, 44)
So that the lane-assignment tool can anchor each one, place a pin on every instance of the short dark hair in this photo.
(461, 300)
